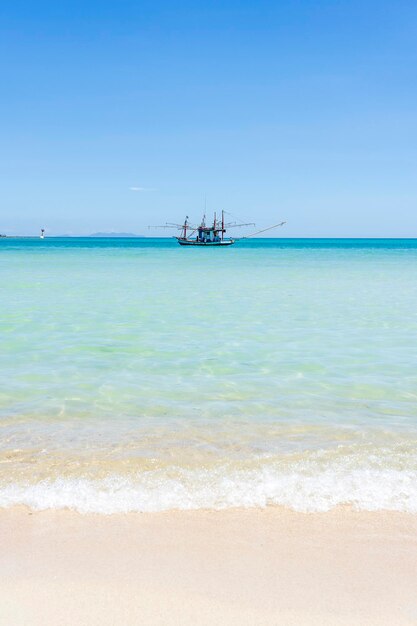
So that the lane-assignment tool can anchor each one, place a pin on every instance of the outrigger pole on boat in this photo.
(258, 232)
(203, 235)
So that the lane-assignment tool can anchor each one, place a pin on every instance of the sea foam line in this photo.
(364, 489)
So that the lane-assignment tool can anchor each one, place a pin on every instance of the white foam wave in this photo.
(366, 489)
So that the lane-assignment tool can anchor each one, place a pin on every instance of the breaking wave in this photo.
(365, 489)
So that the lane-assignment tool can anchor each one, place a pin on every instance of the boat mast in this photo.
(222, 225)
(185, 227)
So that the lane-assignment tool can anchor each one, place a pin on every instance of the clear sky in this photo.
(116, 115)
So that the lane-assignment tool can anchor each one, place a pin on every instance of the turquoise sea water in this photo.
(137, 375)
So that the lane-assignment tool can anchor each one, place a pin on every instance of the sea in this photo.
(139, 375)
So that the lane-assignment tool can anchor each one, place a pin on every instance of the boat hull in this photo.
(225, 242)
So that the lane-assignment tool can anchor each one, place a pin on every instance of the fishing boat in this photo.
(203, 235)
(211, 235)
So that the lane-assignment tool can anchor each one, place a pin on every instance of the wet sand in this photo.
(270, 566)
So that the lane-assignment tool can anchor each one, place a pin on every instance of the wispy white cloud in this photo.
(141, 188)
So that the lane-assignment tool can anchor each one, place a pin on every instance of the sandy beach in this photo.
(271, 566)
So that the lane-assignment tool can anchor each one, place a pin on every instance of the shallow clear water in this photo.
(140, 375)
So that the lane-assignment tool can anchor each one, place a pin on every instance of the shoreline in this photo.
(235, 566)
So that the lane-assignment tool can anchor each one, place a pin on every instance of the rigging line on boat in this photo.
(227, 225)
(239, 219)
(192, 231)
(263, 230)
(175, 226)
(166, 226)
(233, 225)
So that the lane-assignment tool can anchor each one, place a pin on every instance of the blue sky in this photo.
(116, 115)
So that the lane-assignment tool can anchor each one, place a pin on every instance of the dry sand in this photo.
(228, 567)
